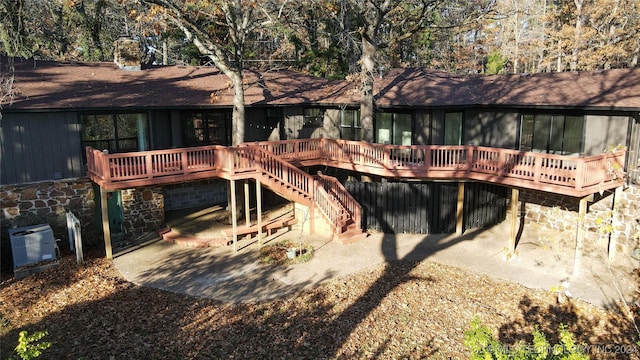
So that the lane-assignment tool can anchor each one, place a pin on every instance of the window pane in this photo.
(127, 132)
(573, 130)
(402, 129)
(216, 128)
(347, 133)
(541, 131)
(192, 130)
(383, 128)
(347, 118)
(526, 133)
(97, 127)
(556, 135)
(453, 128)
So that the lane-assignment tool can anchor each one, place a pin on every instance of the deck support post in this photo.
(229, 202)
(613, 239)
(234, 215)
(259, 211)
(247, 209)
(577, 257)
(460, 210)
(513, 231)
(106, 231)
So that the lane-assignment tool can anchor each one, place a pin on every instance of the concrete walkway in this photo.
(543, 261)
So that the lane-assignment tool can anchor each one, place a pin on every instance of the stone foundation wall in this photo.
(560, 213)
(194, 194)
(143, 210)
(46, 203)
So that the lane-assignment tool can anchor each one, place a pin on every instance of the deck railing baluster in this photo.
(523, 169)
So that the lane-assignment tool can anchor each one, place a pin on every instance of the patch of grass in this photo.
(277, 253)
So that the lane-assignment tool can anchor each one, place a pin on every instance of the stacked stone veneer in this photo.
(46, 203)
(143, 210)
(193, 194)
(560, 213)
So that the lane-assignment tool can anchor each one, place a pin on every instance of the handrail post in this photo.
(104, 160)
(313, 191)
(502, 163)
(231, 160)
(537, 175)
(184, 158)
(427, 160)
(149, 165)
(579, 173)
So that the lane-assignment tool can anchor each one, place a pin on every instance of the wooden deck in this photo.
(567, 175)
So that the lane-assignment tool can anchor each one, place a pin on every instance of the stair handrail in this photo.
(344, 197)
(329, 203)
(268, 163)
(330, 208)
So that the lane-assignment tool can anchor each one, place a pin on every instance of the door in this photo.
(114, 211)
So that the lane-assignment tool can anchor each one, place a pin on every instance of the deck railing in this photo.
(569, 175)
(575, 176)
(152, 165)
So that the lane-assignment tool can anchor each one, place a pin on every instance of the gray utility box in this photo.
(32, 244)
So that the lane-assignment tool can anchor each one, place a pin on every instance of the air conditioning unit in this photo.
(32, 244)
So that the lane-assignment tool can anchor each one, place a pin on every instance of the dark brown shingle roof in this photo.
(609, 89)
(54, 85)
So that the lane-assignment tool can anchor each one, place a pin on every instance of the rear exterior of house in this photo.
(44, 134)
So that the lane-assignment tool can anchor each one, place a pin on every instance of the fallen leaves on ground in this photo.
(278, 253)
(400, 310)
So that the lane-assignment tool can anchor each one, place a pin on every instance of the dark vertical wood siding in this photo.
(426, 208)
(484, 205)
(39, 146)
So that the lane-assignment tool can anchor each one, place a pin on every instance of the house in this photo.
(566, 119)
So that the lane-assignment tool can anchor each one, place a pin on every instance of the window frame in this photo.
(536, 136)
(393, 127)
(459, 127)
(116, 142)
(355, 128)
(212, 124)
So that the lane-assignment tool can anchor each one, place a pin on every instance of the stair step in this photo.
(175, 237)
(351, 236)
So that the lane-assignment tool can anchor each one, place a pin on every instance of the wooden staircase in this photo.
(324, 192)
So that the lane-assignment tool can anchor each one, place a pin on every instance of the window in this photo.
(115, 132)
(393, 128)
(313, 117)
(207, 128)
(453, 128)
(350, 127)
(552, 134)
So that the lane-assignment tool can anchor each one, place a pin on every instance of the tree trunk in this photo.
(366, 96)
(578, 35)
(238, 108)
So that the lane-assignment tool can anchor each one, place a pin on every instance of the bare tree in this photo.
(219, 29)
(14, 40)
(383, 25)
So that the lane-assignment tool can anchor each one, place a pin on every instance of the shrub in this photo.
(483, 346)
(29, 346)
